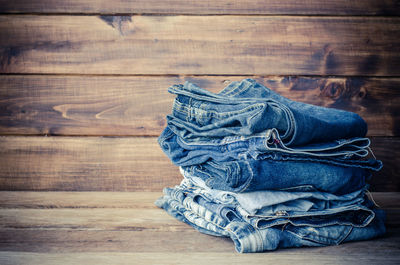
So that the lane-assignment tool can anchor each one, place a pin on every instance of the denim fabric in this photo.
(252, 175)
(267, 203)
(250, 239)
(246, 108)
(258, 147)
(266, 171)
(353, 211)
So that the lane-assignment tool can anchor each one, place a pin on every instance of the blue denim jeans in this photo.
(266, 171)
(247, 108)
(270, 203)
(339, 152)
(314, 231)
(255, 175)
(270, 208)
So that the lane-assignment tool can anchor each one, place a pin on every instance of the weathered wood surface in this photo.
(122, 164)
(376, 256)
(122, 200)
(137, 105)
(310, 7)
(58, 163)
(261, 45)
(223, 7)
(76, 227)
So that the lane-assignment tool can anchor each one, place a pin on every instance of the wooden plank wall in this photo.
(83, 84)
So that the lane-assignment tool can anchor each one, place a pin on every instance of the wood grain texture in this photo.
(107, 164)
(130, 211)
(122, 164)
(106, 225)
(137, 105)
(377, 256)
(310, 7)
(120, 200)
(261, 45)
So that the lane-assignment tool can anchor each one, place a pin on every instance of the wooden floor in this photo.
(126, 228)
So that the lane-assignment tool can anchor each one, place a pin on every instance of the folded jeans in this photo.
(340, 152)
(253, 175)
(250, 239)
(246, 108)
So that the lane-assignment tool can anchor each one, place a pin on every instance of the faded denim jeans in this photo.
(247, 108)
(345, 152)
(252, 175)
(203, 216)
(266, 171)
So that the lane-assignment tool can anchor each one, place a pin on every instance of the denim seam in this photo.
(316, 239)
(237, 90)
(344, 238)
(275, 222)
(224, 115)
(248, 181)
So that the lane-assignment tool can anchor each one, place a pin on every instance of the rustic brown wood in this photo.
(386, 149)
(105, 224)
(142, 200)
(121, 200)
(122, 164)
(112, 211)
(146, 54)
(141, 239)
(273, 45)
(92, 218)
(58, 163)
(137, 105)
(136, 240)
(374, 257)
(310, 7)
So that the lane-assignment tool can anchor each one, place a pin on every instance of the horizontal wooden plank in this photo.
(91, 164)
(310, 7)
(122, 164)
(139, 240)
(92, 211)
(105, 225)
(92, 219)
(137, 105)
(265, 45)
(376, 257)
(121, 200)
(108, 219)
(55, 226)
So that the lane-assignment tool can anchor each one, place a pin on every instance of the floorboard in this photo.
(120, 228)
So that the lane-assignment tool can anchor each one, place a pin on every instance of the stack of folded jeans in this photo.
(266, 171)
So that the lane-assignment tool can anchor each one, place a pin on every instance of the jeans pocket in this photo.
(228, 176)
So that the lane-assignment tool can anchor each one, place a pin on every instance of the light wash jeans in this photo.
(349, 226)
